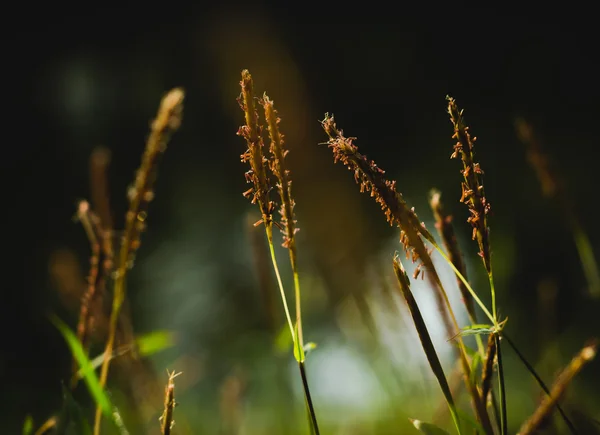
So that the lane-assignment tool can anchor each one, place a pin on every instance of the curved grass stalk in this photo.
(465, 282)
(269, 232)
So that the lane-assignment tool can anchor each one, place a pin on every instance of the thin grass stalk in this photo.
(269, 233)
(284, 185)
(443, 223)
(488, 367)
(371, 179)
(140, 194)
(257, 175)
(501, 385)
(473, 195)
(259, 193)
(262, 262)
(424, 337)
(539, 380)
(311, 410)
(289, 229)
(89, 222)
(100, 198)
(100, 201)
(563, 380)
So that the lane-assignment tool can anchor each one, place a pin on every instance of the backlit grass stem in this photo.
(259, 193)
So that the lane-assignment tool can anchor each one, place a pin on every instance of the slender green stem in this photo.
(269, 231)
(466, 283)
(493, 293)
(501, 384)
(311, 409)
(297, 297)
(118, 297)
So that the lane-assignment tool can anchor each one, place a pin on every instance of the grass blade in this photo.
(434, 361)
(89, 375)
(27, 425)
(427, 428)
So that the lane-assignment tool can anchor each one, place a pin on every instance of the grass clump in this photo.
(271, 190)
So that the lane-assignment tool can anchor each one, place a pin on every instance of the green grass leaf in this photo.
(298, 350)
(155, 342)
(89, 375)
(474, 330)
(427, 428)
(28, 425)
(147, 344)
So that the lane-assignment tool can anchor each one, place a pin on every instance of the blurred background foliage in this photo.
(95, 79)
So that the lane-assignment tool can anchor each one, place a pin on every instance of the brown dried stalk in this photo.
(98, 228)
(371, 179)
(472, 188)
(284, 186)
(278, 167)
(140, 194)
(90, 224)
(166, 419)
(560, 385)
(99, 161)
(488, 367)
(443, 223)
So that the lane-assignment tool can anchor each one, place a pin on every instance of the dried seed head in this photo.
(371, 179)
(167, 121)
(254, 156)
(277, 165)
(166, 418)
(472, 187)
